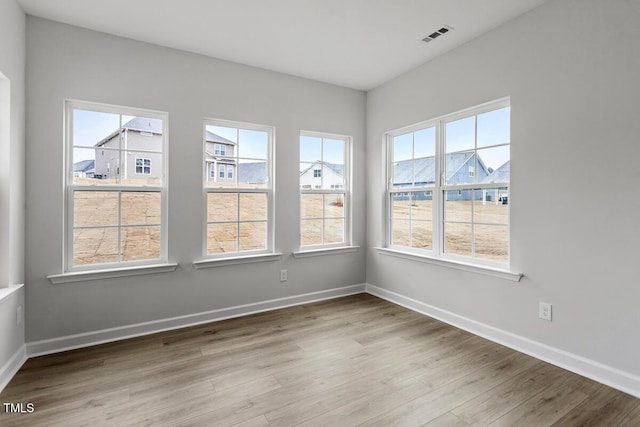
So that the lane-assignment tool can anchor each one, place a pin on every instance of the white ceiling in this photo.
(353, 43)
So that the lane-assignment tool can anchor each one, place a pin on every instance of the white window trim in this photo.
(325, 251)
(437, 255)
(346, 192)
(111, 273)
(229, 258)
(111, 269)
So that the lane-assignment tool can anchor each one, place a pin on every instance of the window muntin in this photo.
(115, 199)
(448, 190)
(239, 199)
(324, 190)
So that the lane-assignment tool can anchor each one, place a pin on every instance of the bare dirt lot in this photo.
(240, 223)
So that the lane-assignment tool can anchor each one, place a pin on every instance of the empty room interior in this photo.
(302, 212)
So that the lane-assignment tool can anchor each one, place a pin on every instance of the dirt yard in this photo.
(140, 231)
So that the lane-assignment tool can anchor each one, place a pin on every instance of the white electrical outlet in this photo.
(283, 275)
(544, 311)
(19, 315)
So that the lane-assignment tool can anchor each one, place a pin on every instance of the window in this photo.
(324, 190)
(239, 213)
(448, 185)
(116, 204)
(220, 150)
(143, 166)
(212, 170)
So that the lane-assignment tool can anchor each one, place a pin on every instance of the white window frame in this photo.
(440, 187)
(230, 172)
(345, 191)
(268, 190)
(143, 166)
(71, 188)
(212, 170)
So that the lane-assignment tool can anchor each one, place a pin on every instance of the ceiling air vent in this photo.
(445, 29)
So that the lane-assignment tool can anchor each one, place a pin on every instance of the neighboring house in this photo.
(220, 158)
(322, 175)
(500, 175)
(84, 169)
(461, 168)
(137, 134)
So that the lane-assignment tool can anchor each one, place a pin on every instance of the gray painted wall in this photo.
(12, 65)
(69, 62)
(574, 106)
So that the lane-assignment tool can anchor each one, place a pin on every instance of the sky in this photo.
(493, 129)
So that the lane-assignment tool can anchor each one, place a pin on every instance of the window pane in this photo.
(311, 206)
(310, 149)
(95, 166)
(334, 206)
(401, 205)
(222, 207)
(95, 245)
(403, 147)
(308, 178)
(494, 127)
(461, 168)
(333, 231)
(310, 232)
(491, 206)
(92, 208)
(457, 238)
(253, 144)
(425, 143)
(422, 206)
(253, 206)
(253, 236)
(140, 168)
(222, 134)
(140, 243)
(332, 175)
(333, 151)
(460, 134)
(142, 133)
(253, 174)
(222, 238)
(492, 242)
(421, 234)
(457, 205)
(91, 128)
(400, 234)
(497, 164)
(140, 208)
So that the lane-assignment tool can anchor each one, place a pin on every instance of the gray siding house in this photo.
(220, 158)
(84, 169)
(137, 134)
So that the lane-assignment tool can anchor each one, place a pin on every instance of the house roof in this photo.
(140, 124)
(425, 168)
(213, 137)
(84, 166)
(502, 174)
(339, 169)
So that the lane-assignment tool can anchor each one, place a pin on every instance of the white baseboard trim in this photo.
(70, 342)
(9, 369)
(596, 371)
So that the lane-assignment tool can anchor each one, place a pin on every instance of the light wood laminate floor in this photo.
(350, 361)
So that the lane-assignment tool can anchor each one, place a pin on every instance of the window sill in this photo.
(325, 251)
(489, 271)
(8, 291)
(110, 273)
(219, 262)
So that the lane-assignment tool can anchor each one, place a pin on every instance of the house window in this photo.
(220, 150)
(143, 166)
(447, 180)
(239, 208)
(324, 190)
(115, 216)
(212, 170)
